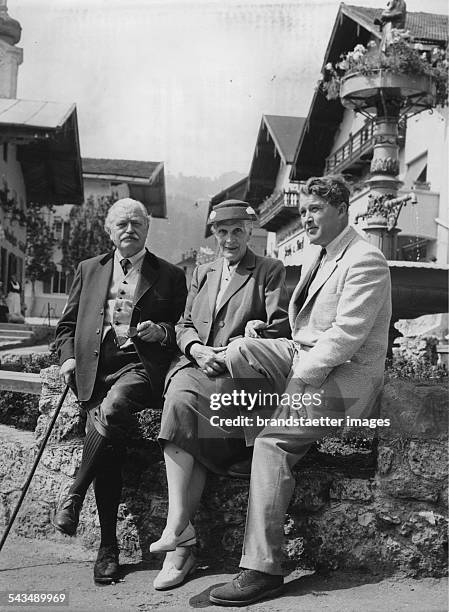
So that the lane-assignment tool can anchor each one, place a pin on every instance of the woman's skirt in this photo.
(189, 421)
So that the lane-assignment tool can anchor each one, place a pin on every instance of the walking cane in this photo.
(35, 464)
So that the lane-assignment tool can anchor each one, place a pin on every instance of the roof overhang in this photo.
(276, 143)
(150, 190)
(46, 135)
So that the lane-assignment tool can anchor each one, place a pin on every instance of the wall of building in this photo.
(424, 226)
(50, 298)
(97, 187)
(13, 236)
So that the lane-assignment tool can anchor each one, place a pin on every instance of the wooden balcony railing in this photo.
(356, 150)
(277, 209)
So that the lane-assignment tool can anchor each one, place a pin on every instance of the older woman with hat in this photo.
(238, 294)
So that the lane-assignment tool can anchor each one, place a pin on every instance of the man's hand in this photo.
(150, 332)
(295, 389)
(210, 359)
(252, 328)
(67, 371)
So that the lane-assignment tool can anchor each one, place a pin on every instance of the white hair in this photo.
(125, 204)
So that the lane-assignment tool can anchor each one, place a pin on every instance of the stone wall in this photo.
(379, 505)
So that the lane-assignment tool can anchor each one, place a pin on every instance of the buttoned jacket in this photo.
(341, 329)
(159, 296)
(256, 291)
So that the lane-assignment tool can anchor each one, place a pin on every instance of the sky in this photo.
(180, 81)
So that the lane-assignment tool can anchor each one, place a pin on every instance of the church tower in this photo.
(10, 56)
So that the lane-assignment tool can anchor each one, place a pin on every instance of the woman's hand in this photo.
(254, 328)
(209, 358)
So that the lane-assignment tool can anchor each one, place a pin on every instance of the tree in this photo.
(87, 236)
(40, 244)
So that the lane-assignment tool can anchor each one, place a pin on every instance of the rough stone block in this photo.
(354, 489)
(415, 410)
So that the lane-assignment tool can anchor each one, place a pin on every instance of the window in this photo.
(60, 282)
(416, 175)
(57, 228)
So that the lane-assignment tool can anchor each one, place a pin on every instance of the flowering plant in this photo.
(400, 56)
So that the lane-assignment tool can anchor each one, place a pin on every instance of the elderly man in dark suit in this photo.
(239, 293)
(115, 341)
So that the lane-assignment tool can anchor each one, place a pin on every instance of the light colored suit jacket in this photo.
(256, 291)
(342, 327)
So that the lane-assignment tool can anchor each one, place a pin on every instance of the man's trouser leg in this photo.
(276, 451)
(252, 359)
(109, 422)
(271, 489)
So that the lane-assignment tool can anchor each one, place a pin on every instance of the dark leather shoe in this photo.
(246, 588)
(241, 469)
(106, 568)
(67, 515)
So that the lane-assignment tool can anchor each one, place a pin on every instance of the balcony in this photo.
(357, 151)
(278, 209)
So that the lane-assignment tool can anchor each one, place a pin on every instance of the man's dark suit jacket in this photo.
(160, 296)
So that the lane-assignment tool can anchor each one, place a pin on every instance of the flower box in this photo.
(364, 91)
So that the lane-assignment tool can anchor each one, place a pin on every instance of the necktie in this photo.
(313, 272)
(126, 265)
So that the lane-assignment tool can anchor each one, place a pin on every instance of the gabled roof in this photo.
(46, 136)
(34, 113)
(145, 180)
(285, 132)
(277, 140)
(353, 25)
(422, 26)
(121, 167)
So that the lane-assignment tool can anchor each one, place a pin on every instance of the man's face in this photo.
(128, 230)
(232, 238)
(321, 221)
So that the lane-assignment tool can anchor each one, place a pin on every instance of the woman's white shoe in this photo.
(170, 576)
(169, 541)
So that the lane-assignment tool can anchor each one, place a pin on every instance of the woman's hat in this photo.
(232, 210)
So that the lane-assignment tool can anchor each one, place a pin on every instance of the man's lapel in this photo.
(213, 284)
(149, 274)
(331, 265)
(102, 278)
(242, 273)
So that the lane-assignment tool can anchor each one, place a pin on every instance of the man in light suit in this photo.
(339, 314)
(115, 340)
(238, 293)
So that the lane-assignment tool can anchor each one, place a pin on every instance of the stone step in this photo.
(15, 335)
(15, 326)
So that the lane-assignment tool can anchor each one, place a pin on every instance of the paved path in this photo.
(38, 565)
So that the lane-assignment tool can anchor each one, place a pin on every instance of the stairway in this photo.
(13, 335)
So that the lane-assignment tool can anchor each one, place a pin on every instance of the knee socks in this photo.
(108, 489)
(94, 445)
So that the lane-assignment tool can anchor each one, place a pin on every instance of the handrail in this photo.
(357, 144)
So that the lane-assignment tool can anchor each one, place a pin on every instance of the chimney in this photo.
(10, 55)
